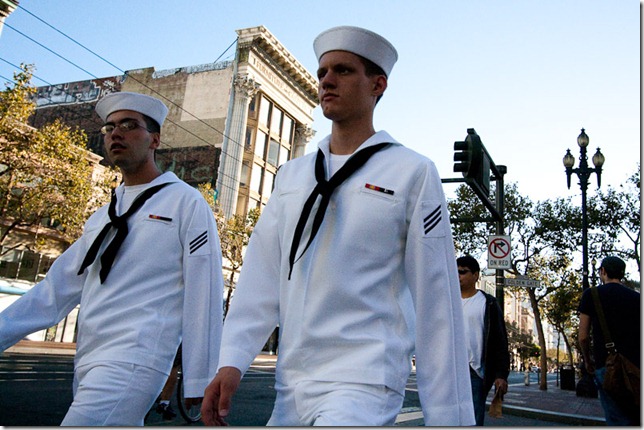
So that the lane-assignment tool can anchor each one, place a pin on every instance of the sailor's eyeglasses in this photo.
(124, 126)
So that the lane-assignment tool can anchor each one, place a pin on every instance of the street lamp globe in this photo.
(568, 160)
(582, 139)
(598, 158)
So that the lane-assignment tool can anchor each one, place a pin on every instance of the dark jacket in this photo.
(496, 357)
(621, 307)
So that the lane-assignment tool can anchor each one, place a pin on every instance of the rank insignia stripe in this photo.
(432, 220)
(160, 218)
(198, 242)
(379, 189)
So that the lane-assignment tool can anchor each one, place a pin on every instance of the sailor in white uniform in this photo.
(147, 275)
(353, 258)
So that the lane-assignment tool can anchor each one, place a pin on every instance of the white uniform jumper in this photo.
(378, 281)
(165, 288)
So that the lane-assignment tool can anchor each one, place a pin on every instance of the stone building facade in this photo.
(230, 124)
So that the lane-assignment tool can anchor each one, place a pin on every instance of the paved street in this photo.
(35, 390)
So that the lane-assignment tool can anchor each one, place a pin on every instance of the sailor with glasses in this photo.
(146, 273)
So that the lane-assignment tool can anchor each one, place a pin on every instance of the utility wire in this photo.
(65, 107)
(56, 54)
(144, 85)
(136, 80)
(118, 68)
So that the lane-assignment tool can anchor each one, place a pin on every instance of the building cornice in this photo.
(7, 6)
(264, 39)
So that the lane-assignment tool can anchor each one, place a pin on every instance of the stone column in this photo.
(303, 135)
(6, 7)
(232, 151)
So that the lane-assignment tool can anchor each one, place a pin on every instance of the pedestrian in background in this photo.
(164, 407)
(147, 275)
(621, 307)
(353, 258)
(487, 338)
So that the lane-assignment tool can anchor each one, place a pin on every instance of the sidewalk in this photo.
(554, 405)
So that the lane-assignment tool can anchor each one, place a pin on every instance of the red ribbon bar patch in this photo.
(161, 218)
(380, 189)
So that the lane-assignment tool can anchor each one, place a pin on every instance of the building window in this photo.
(248, 144)
(28, 266)
(273, 153)
(252, 107)
(273, 137)
(25, 265)
(9, 262)
(276, 121)
(260, 144)
(285, 155)
(256, 178)
(264, 111)
(267, 187)
(245, 170)
(287, 130)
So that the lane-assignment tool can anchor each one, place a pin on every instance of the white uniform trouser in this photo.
(113, 394)
(335, 404)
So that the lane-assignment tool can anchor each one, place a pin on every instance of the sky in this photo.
(526, 75)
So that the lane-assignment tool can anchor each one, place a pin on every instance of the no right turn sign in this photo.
(498, 252)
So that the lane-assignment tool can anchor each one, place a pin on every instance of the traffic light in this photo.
(463, 155)
(472, 160)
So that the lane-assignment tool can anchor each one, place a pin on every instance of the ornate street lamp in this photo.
(584, 172)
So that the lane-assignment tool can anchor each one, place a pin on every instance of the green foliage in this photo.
(616, 216)
(560, 305)
(518, 340)
(45, 174)
(543, 237)
(234, 234)
(469, 237)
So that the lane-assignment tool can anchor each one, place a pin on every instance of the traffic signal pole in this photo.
(475, 163)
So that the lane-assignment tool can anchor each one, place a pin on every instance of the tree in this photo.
(234, 234)
(559, 312)
(616, 214)
(535, 252)
(45, 174)
(469, 237)
(519, 341)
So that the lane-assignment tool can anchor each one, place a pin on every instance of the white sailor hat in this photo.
(358, 41)
(147, 105)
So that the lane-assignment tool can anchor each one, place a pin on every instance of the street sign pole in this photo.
(499, 258)
(500, 230)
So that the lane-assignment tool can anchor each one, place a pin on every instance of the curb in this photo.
(558, 417)
(42, 347)
(414, 416)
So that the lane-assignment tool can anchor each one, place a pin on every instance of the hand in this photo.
(218, 395)
(501, 385)
(590, 366)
